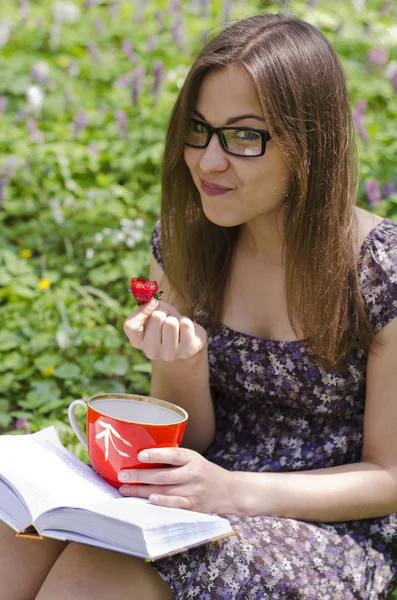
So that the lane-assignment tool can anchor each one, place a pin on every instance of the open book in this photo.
(46, 491)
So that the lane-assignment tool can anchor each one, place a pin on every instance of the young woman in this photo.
(278, 335)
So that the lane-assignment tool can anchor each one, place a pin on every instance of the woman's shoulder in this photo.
(378, 268)
(377, 239)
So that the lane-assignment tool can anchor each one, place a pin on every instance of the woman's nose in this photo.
(213, 156)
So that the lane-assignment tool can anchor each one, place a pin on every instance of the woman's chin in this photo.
(222, 219)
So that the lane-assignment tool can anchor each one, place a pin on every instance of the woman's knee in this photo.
(24, 564)
(84, 571)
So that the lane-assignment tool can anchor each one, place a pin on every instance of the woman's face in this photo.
(258, 185)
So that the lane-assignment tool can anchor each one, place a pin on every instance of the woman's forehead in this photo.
(226, 93)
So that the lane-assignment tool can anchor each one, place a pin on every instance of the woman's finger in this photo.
(192, 338)
(152, 334)
(162, 476)
(171, 456)
(171, 501)
(169, 338)
(134, 325)
(173, 497)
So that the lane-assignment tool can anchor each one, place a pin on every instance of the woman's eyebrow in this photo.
(232, 119)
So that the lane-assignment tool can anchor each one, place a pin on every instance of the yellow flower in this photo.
(44, 284)
(63, 61)
(48, 370)
(91, 324)
(25, 254)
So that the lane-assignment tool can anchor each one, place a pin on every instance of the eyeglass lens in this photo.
(243, 142)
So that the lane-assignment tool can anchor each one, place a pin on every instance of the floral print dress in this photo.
(278, 410)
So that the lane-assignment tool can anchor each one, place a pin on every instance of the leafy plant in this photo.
(85, 95)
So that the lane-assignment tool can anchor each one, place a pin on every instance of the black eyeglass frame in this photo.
(265, 137)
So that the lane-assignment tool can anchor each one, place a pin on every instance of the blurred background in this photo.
(86, 90)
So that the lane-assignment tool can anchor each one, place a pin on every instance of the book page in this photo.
(139, 511)
(134, 526)
(47, 475)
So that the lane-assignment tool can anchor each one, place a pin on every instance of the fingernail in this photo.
(143, 456)
(123, 476)
(152, 304)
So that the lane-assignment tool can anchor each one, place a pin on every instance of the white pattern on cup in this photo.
(107, 435)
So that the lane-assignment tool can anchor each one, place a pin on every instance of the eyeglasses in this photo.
(240, 141)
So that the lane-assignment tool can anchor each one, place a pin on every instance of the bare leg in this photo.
(24, 564)
(85, 573)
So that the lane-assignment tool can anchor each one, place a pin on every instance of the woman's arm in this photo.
(355, 491)
(186, 381)
(177, 348)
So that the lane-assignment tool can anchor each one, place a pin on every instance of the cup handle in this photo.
(73, 422)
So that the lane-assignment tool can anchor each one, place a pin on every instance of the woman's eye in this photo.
(197, 126)
(247, 134)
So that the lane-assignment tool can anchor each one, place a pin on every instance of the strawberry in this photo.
(143, 290)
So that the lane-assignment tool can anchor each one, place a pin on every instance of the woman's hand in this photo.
(192, 483)
(160, 331)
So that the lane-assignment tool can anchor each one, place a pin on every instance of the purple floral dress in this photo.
(278, 410)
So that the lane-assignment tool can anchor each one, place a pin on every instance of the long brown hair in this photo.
(303, 94)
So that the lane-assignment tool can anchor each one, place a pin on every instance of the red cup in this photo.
(119, 426)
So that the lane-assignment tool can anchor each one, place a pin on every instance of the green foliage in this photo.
(79, 201)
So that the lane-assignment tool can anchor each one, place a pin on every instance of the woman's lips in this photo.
(213, 191)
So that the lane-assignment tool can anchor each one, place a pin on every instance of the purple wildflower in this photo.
(394, 81)
(175, 6)
(3, 183)
(160, 20)
(93, 148)
(23, 424)
(94, 53)
(35, 134)
(9, 167)
(158, 73)
(373, 192)
(114, 8)
(388, 190)
(205, 7)
(38, 74)
(90, 3)
(121, 118)
(7, 175)
(386, 6)
(73, 70)
(312, 3)
(138, 15)
(128, 51)
(361, 105)
(3, 103)
(124, 80)
(99, 25)
(194, 7)
(177, 33)
(378, 57)
(24, 10)
(19, 116)
(80, 121)
(152, 42)
(139, 78)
